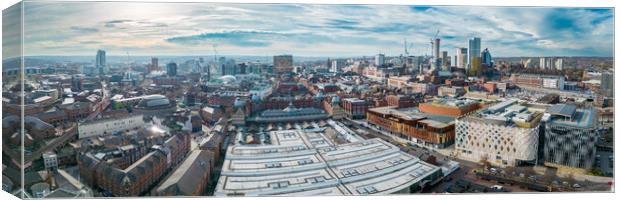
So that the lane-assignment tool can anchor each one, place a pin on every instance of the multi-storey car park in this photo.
(305, 163)
(570, 138)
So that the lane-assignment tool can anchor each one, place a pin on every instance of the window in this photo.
(350, 172)
(273, 165)
(270, 150)
(318, 179)
(366, 190)
(305, 161)
(280, 184)
(396, 161)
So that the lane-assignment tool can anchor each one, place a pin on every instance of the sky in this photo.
(148, 29)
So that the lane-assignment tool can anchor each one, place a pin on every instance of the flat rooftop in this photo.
(580, 118)
(455, 103)
(354, 100)
(299, 163)
(437, 121)
(565, 110)
(508, 113)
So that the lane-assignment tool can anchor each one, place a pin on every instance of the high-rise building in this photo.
(486, 58)
(283, 64)
(474, 66)
(154, 64)
(242, 68)
(542, 63)
(231, 67)
(473, 51)
(545, 63)
(559, 64)
(171, 69)
(445, 61)
(379, 59)
(551, 63)
(335, 66)
(329, 63)
(461, 57)
(100, 62)
(436, 47)
(607, 84)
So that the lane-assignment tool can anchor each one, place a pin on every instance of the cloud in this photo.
(253, 38)
(312, 29)
(113, 23)
(237, 38)
(84, 29)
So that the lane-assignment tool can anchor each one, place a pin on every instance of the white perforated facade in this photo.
(500, 145)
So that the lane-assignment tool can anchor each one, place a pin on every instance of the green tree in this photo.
(118, 106)
(596, 172)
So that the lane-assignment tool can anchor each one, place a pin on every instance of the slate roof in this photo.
(184, 180)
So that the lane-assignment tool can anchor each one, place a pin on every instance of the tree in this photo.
(485, 162)
(596, 172)
(118, 106)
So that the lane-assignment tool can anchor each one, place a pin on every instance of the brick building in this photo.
(402, 101)
(190, 178)
(126, 176)
(449, 107)
(412, 125)
(355, 108)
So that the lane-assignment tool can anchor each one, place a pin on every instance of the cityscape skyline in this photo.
(137, 99)
(310, 30)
